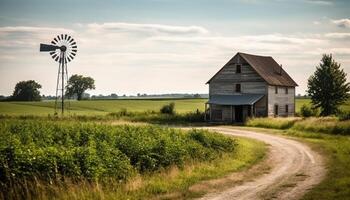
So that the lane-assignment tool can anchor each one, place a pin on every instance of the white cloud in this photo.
(123, 57)
(320, 2)
(153, 28)
(338, 35)
(343, 23)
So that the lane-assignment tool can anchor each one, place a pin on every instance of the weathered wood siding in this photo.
(281, 99)
(224, 82)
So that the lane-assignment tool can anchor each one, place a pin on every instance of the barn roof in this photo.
(241, 99)
(268, 69)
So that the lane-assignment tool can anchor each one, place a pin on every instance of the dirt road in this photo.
(295, 168)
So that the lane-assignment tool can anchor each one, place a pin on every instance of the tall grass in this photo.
(329, 125)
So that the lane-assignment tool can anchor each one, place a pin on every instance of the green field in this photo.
(102, 107)
(44, 159)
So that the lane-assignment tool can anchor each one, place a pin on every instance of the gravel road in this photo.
(295, 168)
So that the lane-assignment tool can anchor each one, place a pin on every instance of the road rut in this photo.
(295, 168)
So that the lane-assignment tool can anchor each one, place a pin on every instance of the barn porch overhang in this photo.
(235, 100)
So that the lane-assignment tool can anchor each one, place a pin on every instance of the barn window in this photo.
(276, 110)
(276, 89)
(238, 87)
(286, 90)
(287, 109)
(238, 69)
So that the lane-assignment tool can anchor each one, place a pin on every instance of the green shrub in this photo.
(51, 151)
(307, 111)
(168, 109)
(343, 115)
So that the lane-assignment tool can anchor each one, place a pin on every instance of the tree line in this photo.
(29, 90)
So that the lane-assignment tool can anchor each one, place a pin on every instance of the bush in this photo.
(52, 150)
(343, 115)
(168, 109)
(307, 111)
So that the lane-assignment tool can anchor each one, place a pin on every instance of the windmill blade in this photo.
(53, 42)
(71, 57)
(68, 38)
(62, 36)
(68, 59)
(55, 39)
(74, 43)
(58, 36)
(71, 40)
(73, 54)
(74, 50)
(52, 52)
(65, 36)
(54, 56)
(74, 47)
(48, 47)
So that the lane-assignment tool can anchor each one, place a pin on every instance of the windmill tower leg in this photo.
(62, 66)
(57, 88)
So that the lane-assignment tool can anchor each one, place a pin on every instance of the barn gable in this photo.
(258, 68)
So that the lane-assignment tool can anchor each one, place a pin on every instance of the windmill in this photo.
(62, 49)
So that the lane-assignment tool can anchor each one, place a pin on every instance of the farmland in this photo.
(100, 107)
(41, 158)
(103, 107)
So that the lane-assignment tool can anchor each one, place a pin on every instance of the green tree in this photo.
(26, 91)
(78, 84)
(327, 87)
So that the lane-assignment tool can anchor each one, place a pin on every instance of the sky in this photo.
(167, 46)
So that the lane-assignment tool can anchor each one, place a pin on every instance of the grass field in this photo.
(103, 107)
(100, 107)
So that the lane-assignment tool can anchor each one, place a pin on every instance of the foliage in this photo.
(26, 91)
(168, 109)
(50, 151)
(330, 125)
(78, 84)
(343, 115)
(308, 111)
(328, 87)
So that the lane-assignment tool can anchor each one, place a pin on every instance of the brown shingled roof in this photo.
(268, 69)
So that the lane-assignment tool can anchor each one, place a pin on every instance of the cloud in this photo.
(343, 23)
(114, 53)
(320, 2)
(338, 35)
(151, 28)
(26, 36)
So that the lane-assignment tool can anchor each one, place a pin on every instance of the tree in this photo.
(26, 91)
(327, 87)
(78, 84)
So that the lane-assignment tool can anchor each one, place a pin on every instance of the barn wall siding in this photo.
(281, 99)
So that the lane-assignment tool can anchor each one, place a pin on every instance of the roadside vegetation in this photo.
(329, 136)
(45, 159)
(327, 125)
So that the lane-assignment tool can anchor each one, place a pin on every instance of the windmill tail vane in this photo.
(62, 49)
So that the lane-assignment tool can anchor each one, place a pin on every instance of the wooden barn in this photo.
(250, 86)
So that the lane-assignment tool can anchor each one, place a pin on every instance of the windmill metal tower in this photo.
(62, 49)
